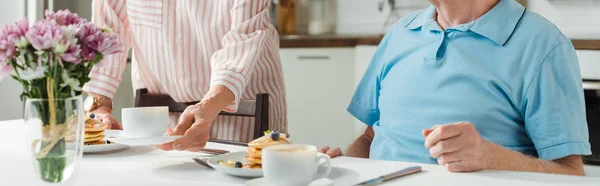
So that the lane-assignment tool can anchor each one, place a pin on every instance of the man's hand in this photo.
(335, 152)
(194, 125)
(457, 146)
(104, 115)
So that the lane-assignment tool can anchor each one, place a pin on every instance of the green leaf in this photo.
(23, 96)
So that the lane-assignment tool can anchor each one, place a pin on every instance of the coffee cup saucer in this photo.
(264, 182)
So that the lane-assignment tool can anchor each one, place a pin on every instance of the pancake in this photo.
(93, 134)
(91, 121)
(252, 166)
(101, 136)
(94, 131)
(95, 127)
(266, 141)
(254, 153)
(253, 160)
(253, 149)
(98, 138)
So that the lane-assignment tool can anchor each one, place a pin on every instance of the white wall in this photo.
(576, 18)
(11, 11)
(10, 105)
(363, 16)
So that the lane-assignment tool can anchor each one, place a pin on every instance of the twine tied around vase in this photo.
(57, 132)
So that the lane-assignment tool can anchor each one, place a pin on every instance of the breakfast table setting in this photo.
(147, 165)
(59, 142)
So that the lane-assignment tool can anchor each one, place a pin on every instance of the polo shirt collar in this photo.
(497, 24)
(422, 19)
(500, 22)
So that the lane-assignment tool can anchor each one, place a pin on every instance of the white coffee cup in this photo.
(142, 122)
(294, 164)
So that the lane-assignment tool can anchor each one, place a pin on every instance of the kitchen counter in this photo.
(586, 44)
(307, 41)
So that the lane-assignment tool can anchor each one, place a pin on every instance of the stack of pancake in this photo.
(94, 131)
(254, 157)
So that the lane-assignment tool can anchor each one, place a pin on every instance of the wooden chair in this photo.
(259, 109)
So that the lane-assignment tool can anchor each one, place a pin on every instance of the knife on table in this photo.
(400, 173)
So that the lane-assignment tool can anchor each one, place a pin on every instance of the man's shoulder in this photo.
(538, 29)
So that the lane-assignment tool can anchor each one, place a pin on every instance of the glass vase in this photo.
(54, 135)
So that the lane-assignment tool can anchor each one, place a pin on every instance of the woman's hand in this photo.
(104, 115)
(194, 124)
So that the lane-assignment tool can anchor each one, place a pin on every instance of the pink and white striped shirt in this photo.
(182, 47)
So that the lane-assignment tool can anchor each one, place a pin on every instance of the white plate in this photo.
(113, 133)
(103, 148)
(264, 182)
(147, 141)
(234, 156)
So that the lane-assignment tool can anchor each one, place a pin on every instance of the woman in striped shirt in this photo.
(217, 52)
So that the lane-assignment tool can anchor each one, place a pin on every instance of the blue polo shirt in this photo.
(511, 73)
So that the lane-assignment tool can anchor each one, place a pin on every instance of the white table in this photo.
(149, 166)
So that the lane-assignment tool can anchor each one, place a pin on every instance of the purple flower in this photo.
(72, 54)
(64, 17)
(6, 47)
(19, 28)
(88, 34)
(67, 49)
(5, 69)
(109, 45)
(10, 37)
(44, 34)
(95, 41)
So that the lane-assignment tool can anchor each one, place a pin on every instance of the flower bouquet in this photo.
(52, 60)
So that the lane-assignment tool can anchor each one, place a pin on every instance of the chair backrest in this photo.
(259, 109)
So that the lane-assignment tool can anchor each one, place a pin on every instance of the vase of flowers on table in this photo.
(52, 59)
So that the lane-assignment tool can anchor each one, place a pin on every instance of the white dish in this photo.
(108, 133)
(103, 148)
(234, 156)
(146, 141)
(263, 182)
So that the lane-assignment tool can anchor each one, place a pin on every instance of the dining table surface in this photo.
(147, 165)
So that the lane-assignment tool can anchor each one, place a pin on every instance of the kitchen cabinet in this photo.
(319, 83)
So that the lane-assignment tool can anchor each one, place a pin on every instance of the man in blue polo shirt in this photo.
(472, 85)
